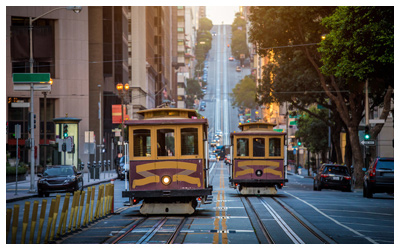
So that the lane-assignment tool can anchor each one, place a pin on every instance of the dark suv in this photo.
(379, 178)
(333, 176)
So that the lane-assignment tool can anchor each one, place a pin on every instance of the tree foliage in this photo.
(205, 24)
(292, 33)
(245, 93)
(193, 91)
(239, 43)
(313, 132)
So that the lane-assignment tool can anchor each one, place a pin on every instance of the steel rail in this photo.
(258, 220)
(173, 237)
(321, 238)
(135, 224)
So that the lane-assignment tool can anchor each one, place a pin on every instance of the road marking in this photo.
(332, 219)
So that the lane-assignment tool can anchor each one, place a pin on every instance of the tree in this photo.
(314, 132)
(244, 93)
(193, 91)
(301, 27)
(359, 47)
(239, 42)
(205, 24)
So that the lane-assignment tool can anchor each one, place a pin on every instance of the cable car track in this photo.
(275, 223)
(145, 230)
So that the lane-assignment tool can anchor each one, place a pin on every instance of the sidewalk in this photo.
(23, 187)
(304, 172)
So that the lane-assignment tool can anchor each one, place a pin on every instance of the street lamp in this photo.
(76, 9)
(122, 90)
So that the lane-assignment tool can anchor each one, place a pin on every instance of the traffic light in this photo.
(29, 121)
(366, 133)
(65, 131)
(299, 143)
(34, 121)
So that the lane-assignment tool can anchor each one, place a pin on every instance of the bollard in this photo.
(101, 211)
(64, 224)
(8, 223)
(96, 210)
(71, 213)
(25, 221)
(64, 211)
(112, 195)
(86, 217)
(33, 222)
(92, 203)
(41, 220)
(15, 224)
(77, 193)
(106, 201)
(49, 221)
(81, 209)
(55, 215)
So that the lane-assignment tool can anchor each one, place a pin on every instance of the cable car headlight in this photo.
(259, 172)
(166, 180)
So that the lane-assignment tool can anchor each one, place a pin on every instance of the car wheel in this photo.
(81, 186)
(40, 194)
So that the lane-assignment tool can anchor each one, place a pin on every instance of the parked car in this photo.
(333, 176)
(379, 178)
(212, 158)
(238, 69)
(231, 58)
(202, 108)
(203, 103)
(59, 178)
(123, 167)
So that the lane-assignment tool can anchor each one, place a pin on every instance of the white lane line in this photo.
(332, 219)
(285, 227)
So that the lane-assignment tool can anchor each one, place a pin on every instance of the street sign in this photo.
(31, 77)
(376, 121)
(36, 87)
(368, 142)
(20, 104)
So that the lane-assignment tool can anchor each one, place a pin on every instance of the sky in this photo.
(219, 14)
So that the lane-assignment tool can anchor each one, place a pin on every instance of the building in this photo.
(65, 37)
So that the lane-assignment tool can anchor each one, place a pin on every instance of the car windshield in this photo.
(339, 170)
(385, 165)
(64, 171)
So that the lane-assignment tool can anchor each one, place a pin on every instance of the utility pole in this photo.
(100, 127)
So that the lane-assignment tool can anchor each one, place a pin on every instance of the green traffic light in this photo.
(299, 143)
(65, 135)
(366, 136)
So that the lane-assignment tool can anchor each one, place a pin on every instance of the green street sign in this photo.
(293, 123)
(278, 129)
(31, 77)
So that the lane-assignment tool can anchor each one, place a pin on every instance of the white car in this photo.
(212, 158)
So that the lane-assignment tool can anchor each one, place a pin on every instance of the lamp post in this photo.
(122, 90)
(76, 9)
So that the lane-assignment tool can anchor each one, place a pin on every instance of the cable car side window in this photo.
(165, 142)
(142, 143)
(242, 147)
(275, 147)
(189, 141)
(258, 147)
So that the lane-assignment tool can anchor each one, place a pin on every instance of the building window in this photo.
(180, 7)
(258, 147)
(181, 30)
(165, 142)
(43, 46)
(242, 147)
(142, 143)
(189, 141)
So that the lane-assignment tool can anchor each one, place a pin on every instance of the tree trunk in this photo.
(348, 157)
(358, 157)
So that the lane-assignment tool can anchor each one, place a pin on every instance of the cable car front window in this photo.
(142, 143)
(242, 147)
(165, 142)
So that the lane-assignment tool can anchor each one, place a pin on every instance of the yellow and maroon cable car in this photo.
(257, 157)
(168, 161)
